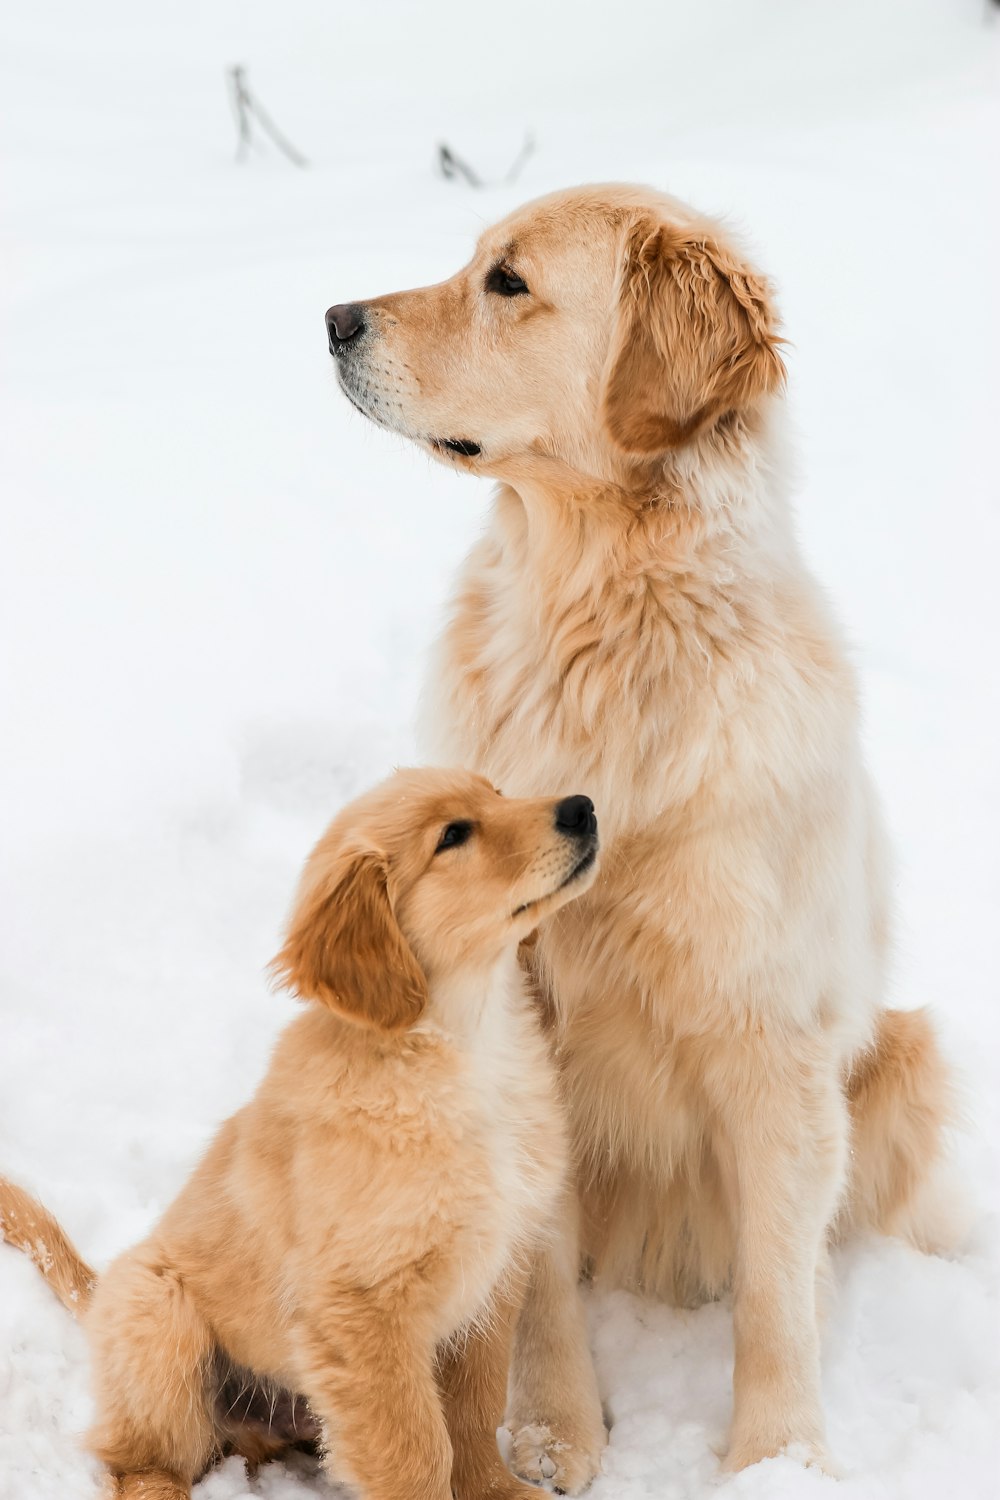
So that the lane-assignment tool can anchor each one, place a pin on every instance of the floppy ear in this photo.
(344, 947)
(694, 338)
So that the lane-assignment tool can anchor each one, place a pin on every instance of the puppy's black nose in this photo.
(575, 816)
(345, 324)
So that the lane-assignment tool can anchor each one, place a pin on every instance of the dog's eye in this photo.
(453, 835)
(505, 283)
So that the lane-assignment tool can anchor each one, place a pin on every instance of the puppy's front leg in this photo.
(555, 1409)
(368, 1374)
(783, 1152)
(472, 1374)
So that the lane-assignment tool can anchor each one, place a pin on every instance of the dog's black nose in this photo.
(345, 324)
(575, 816)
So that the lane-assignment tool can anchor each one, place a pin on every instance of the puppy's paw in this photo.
(540, 1455)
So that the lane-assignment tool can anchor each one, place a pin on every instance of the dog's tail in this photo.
(31, 1228)
(902, 1099)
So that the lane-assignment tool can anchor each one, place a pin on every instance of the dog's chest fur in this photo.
(708, 709)
(646, 671)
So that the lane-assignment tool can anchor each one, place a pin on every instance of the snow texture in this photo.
(217, 586)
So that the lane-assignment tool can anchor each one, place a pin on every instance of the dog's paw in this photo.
(754, 1449)
(539, 1455)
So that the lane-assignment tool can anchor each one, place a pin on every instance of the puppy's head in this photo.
(430, 874)
(601, 326)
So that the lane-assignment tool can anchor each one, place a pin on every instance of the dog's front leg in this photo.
(555, 1410)
(368, 1375)
(782, 1145)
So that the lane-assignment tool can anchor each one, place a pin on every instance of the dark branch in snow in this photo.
(452, 166)
(248, 108)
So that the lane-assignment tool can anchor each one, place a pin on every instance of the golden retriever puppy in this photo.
(639, 619)
(346, 1262)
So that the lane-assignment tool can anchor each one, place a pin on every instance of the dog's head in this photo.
(601, 326)
(430, 875)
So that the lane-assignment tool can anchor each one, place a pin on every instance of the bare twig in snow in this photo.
(248, 108)
(452, 166)
(517, 165)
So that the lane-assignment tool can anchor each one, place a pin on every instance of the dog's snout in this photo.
(575, 816)
(345, 324)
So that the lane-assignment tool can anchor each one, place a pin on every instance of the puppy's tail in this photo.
(902, 1100)
(31, 1228)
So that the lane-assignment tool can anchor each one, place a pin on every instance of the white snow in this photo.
(217, 585)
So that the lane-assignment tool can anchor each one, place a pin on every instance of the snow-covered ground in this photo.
(217, 585)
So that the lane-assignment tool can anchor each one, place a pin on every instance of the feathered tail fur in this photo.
(25, 1224)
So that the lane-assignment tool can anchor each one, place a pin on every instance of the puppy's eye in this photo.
(505, 283)
(453, 835)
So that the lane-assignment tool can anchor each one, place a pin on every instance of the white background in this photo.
(217, 585)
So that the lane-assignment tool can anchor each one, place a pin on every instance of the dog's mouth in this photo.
(585, 863)
(357, 405)
(581, 867)
(460, 447)
(464, 447)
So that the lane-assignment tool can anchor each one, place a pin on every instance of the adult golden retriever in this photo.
(347, 1260)
(638, 619)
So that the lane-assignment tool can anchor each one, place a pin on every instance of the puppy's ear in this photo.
(694, 338)
(344, 947)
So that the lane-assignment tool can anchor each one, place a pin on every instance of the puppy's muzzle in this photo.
(345, 325)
